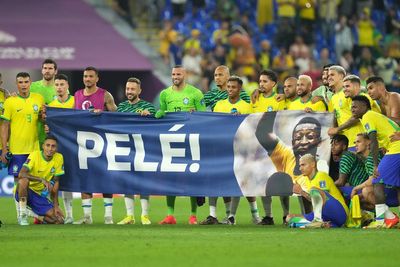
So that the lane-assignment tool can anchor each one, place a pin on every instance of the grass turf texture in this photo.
(244, 244)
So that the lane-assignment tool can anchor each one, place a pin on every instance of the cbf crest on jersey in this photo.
(52, 170)
(269, 109)
(367, 127)
(186, 101)
(35, 108)
(322, 184)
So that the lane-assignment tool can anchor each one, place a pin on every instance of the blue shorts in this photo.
(39, 205)
(15, 164)
(332, 212)
(389, 171)
(390, 194)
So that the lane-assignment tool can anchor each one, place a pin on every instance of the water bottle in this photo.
(8, 157)
(91, 108)
(45, 191)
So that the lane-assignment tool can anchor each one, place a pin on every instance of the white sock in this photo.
(87, 207)
(213, 206)
(380, 210)
(234, 206)
(267, 203)
(17, 207)
(144, 202)
(67, 199)
(388, 213)
(130, 205)
(108, 205)
(254, 209)
(285, 205)
(228, 208)
(317, 203)
(22, 206)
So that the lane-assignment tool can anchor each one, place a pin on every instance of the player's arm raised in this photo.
(264, 132)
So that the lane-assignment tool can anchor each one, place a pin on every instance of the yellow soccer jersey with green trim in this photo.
(297, 104)
(2, 99)
(341, 106)
(23, 114)
(323, 181)
(70, 103)
(288, 103)
(225, 106)
(285, 161)
(267, 104)
(38, 166)
(384, 128)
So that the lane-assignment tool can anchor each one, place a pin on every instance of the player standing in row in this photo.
(20, 125)
(134, 104)
(64, 100)
(180, 97)
(98, 99)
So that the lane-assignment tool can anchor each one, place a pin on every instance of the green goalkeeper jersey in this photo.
(188, 99)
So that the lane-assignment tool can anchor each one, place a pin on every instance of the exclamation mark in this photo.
(195, 150)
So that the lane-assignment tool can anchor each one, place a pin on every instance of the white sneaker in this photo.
(108, 220)
(68, 220)
(23, 220)
(84, 220)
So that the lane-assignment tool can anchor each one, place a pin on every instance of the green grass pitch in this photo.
(244, 244)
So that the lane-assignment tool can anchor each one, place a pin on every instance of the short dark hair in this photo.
(340, 138)
(51, 137)
(236, 79)
(61, 77)
(93, 69)
(363, 99)
(178, 67)
(375, 79)
(271, 75)
(133, 80)
(327, 66)
(310, 120)
(23, 75)
(49, 61)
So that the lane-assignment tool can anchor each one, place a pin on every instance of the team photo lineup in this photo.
(326, 135)
(364, 171)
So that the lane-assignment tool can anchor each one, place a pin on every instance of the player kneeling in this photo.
(38, 184)
(329, 207)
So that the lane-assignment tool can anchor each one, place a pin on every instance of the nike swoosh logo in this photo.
(18, 110)
(169, 102)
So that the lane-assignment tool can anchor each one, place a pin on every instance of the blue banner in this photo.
(182, 154)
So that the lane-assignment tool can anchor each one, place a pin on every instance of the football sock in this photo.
(108, 205)
(285, 205)
(171, 204)
(22, 206)
(388, 213)
(213, 206)
(254, 209)
(317, 203)
(234, 206)
(130, 205)
(144, 202)
(17, 207)
(87, 207)
(67, 199)
(228, 208)
(267, 203)
(380, 210)
(193, 206)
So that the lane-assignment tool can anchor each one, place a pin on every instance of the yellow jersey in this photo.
(2, 99)
(323, 181)
(384, 128)
(38, 166)
(267, 104)
(23, 115)
(225, 106)
(341, 106)
(297, 104)
(69, 103)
